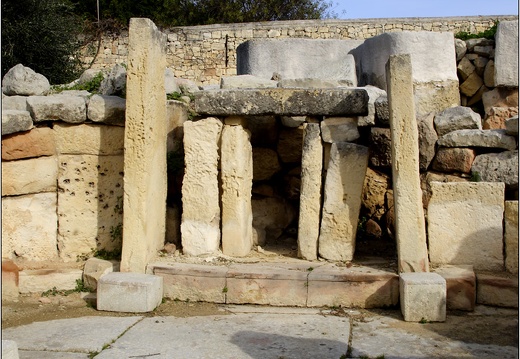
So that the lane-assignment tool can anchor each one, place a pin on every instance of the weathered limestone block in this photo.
(271, 216)
(465, 224)
(506, 54)
(489, 74)
(107, 109)
(382, 111)
(409, 214)
(373, 94)
(314, 83)
(35, 143)
(237, 179)
(342, 200)
(246, 82)
(40, 280)
(170, 85)
(296, 58)
(456, 118)
(289, 145)
(465, 68)
(280, 101)
(293, 121)
(15, 121)
(471, 85)
(29, 226)
(310, 192)
(497, 116)
(428, 177)
(471, 43)
(200, 226)
(176, 115)
(67, 108)
(497, 167)
(500, 97)
(478, 138)
(434, 71)
(461, 286)
(422, 297)
(94, 269)
(480, 65)
(427, 140)
(339, 129)
(145, 146)
(374, 189)
(10, 280)
(380, 147)
(511, 236)
(21, 80)
(18, 103)
(90, 197)
(89, 139)
(477, 96)
(454, 159)
(497, 289)
(512, 126)
(115, 81)
(265, 163)
(460, 49)
(29, 176)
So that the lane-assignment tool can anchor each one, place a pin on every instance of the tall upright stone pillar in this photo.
(310, 192)
(343, 187)
(237, 182)
(410, 227)
(145, 147)
(200, 224)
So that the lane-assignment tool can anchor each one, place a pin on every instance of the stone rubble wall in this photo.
(207, 52)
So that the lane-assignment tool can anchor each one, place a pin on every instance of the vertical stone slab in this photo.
(145, 147)
(237, 182)
(409, 215)
(310, 192)
(511, 236)
(200, 224)
(342, 201)
(465, 224)
(506, 54)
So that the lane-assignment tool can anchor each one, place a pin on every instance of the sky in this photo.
(365, 9)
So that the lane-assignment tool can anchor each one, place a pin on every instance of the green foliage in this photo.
(475, 177)
(116, 233)
(91, 86)
(107, 255)
(487, 34)
(80, 287)
(42, 34)
(225, 290)
(174, 96)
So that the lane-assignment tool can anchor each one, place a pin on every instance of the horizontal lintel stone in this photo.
(281, 101)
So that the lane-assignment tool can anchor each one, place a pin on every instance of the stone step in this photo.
(301, 284)
(497, 289)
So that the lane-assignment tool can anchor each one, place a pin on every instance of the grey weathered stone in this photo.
(279, 101)
(310, 193)
(382, 111)
(511, 236)
(506, 56)
(486, 51)
(465, 68)
(187, 86)
(339, 129)
(342, 200)
(465, 224)
(489, 74)
(373, 94)
(18, 103)
(460, 48)
(293, 121)
(246, 82)
(88, 75)
(427, 139)
(457, 118)
(480, 64)
(271, 216)
(71, 109)
(107, 109)
(314, 83)
(512, 126)
(114, 82)
(471, 43)
(15, 121)
(478, 138)
(297, 58)
(170, 85)
(380, 147)
(21, 80)
(497, 167)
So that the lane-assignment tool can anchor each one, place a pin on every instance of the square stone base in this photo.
(129, 292)
(423, 297)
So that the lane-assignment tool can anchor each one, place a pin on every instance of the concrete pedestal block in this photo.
(9, 349)
(461, 286)
(129, 292)
(423, 297)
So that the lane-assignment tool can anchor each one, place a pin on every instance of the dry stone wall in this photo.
(206, 53)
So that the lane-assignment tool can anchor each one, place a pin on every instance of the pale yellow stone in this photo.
(89, 139)
(29, 176)
(511, 236)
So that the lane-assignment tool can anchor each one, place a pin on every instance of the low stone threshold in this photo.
(269, 278)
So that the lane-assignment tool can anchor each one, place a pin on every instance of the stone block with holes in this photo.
(129, 292)
(423, 297)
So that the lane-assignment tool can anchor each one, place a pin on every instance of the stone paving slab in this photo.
(235, 336)
(80, 335)
(31, 354)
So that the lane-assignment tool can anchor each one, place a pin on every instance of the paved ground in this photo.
(268, 332)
